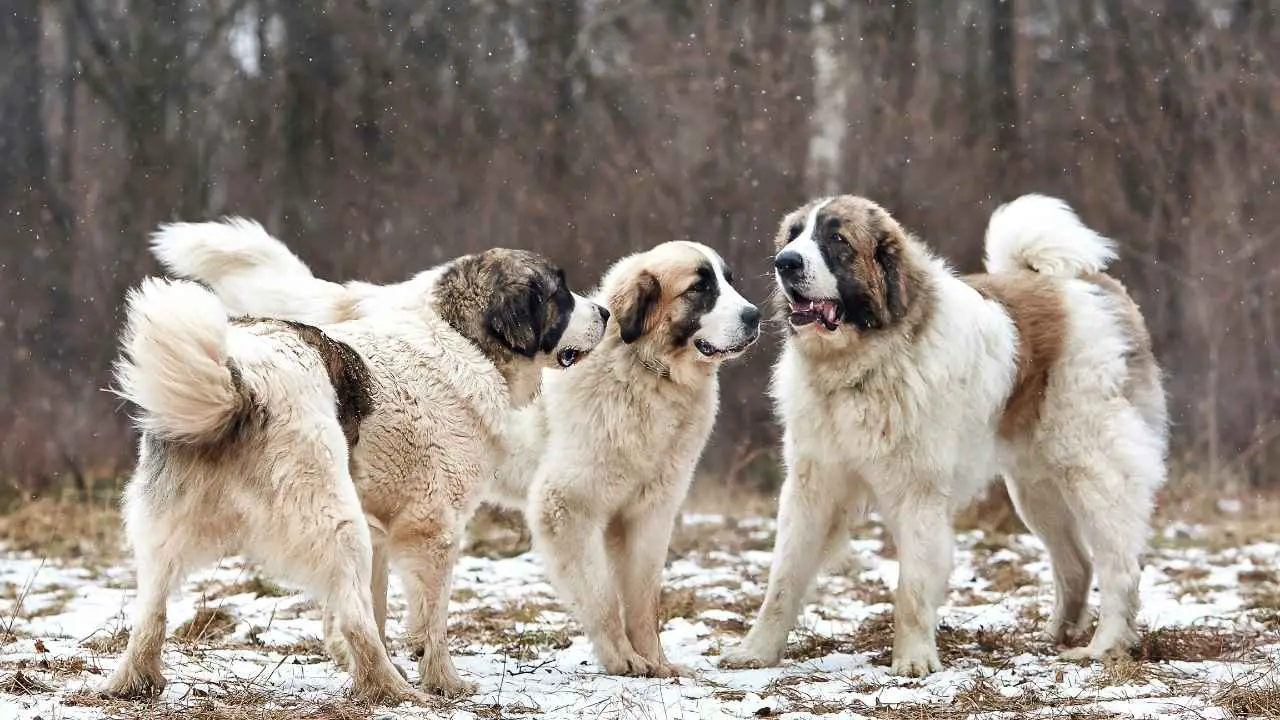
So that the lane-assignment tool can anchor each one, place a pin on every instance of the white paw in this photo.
(915, 664)
(743, 657)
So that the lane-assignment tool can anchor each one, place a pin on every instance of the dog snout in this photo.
(751, 319)
(788, 262)
(604, 314)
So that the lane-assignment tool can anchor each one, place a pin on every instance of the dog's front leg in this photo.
(572, 546)
(426, 553)
(810, 509)
(921, 527)
(641, 551)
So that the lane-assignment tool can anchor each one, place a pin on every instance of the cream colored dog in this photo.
(906, 389)
(290, 443)
(619, 439)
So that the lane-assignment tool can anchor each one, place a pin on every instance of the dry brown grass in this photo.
(258, 586)
(63, 529)
(109, 644)
(22, 683)
(511, 628)
(1197, 643)
(209, 623)
(1006, 576)
(234, 705)
(1250, 698)
(496, 533)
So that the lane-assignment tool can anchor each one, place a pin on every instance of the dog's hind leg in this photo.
(160, 546)
(1041, 504)
(1109, 483)
(333, 639)
(330, 551)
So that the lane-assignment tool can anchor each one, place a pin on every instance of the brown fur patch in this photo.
(1036, 308)
(347, 371)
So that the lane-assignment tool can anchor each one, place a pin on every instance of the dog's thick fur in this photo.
(619, 438)
(322, 451)
(906, 389)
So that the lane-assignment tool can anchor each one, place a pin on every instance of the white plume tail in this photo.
(1043, 234)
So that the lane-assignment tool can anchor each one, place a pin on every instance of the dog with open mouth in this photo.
(906, 389)
(325, 430)
(619, 439)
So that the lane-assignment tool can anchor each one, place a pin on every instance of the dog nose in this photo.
(751, 317)
(788, 262)
(604, 314)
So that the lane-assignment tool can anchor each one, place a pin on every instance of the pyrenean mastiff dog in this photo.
(619, 439)
(906, 389)
(309, 449)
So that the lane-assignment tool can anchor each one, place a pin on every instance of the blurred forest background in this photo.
(378, 137)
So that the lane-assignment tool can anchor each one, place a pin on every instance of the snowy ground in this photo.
(1210, 652)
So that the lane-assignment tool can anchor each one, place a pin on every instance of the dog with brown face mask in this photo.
(619, 439)
(905, 388)
(323, 429)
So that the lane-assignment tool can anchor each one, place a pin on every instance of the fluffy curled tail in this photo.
(252, 272)
(174, 363)
(1043, 234)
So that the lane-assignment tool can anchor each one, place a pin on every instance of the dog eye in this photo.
(793, 232)
(837, 238)
(701, 286)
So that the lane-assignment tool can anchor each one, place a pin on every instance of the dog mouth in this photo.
(827, 314)
(709, 350)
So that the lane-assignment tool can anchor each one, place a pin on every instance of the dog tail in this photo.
(1043, 234)
(252, 272)
(174, 363)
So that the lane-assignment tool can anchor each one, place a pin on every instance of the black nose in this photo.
(788, 262)
(604, 314)
(751, 317)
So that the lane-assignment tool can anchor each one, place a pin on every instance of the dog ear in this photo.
(633, 304)
(515, 320)
(888, 256)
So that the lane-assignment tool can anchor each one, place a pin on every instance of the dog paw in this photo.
(631, 664)
(389, 694)
(449, 687)
(915, 664)
(134, 684)
(670, 670)
(745, 659)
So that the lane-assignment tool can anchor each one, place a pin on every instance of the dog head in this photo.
(518, 310)
(843, 269)
(677, 306)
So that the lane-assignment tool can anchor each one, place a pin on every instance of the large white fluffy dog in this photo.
(619, 439)
(603, 459)
(290, 443)
(906, 389)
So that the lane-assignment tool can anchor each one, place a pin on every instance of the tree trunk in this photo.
(1004, 95)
